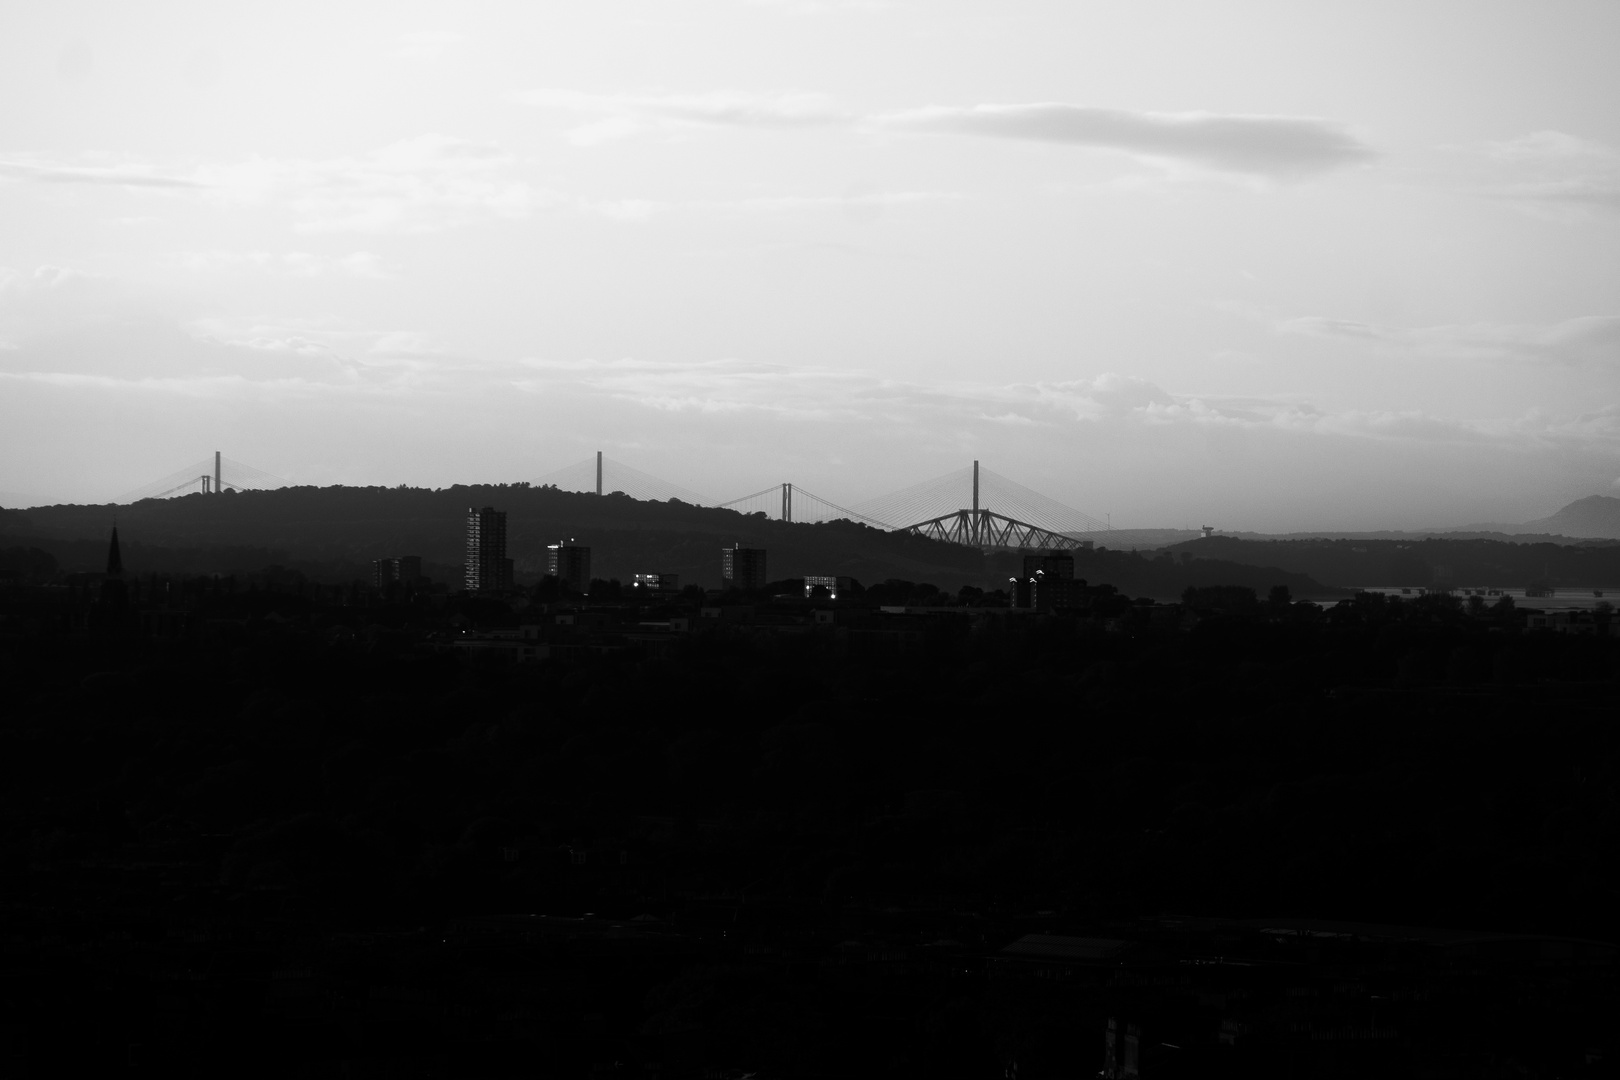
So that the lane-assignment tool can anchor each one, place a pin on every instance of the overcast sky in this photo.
(1259, 265)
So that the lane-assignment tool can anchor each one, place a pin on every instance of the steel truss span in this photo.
(992, 531)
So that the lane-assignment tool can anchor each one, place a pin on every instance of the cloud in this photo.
(425, 44)
(1126, 406)
(1544, 147)
(1272, 147)
(358, 264)
(114, 175)
(735, 386)
(853, 201)
(1554, 174)
(373, 347)
(48, 279)
(717, 386)
(1587, 339)
(425, 184)
(429, 183)
(1276, 147)
(632, 114)
(1565, 198)
(817, 7)
(50, 299)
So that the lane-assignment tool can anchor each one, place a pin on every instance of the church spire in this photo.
(115, 561)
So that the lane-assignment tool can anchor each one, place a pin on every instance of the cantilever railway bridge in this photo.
(971, 506)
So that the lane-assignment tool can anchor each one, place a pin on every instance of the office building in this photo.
(488, 569)
(743, 568)
(570, 563)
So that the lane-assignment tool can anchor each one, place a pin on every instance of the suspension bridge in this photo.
(972, 506)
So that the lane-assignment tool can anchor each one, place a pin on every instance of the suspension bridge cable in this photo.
(173, 482)
(851, 514)
(195, 481)
(649, 483)
(233, 474)
(745, 498)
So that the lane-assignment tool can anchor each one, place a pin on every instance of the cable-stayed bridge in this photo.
(208, 476)
(972, 506)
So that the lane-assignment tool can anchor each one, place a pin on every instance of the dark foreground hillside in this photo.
(332, 534)
(339, 530)
(284, 831)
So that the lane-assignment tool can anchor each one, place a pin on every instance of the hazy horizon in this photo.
(1256, 265)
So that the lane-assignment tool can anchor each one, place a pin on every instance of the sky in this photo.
(1263, 266)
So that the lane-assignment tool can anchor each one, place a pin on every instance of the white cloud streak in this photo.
(1556, 175)
(303, 264)
(1585, 340)
(800, 395)
(428, 45)
(1275, 147)
(112, 176)
(426, 184)
(1272, 147)
(623, 116)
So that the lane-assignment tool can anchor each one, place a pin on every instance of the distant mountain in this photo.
(1136, 539)
(1596, 516)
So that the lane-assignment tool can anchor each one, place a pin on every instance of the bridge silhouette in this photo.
(209, 476)
(972, 506)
